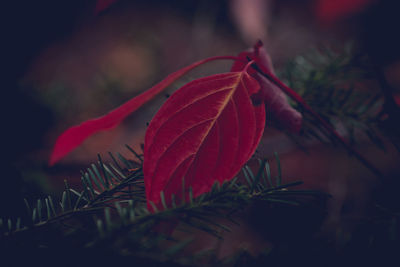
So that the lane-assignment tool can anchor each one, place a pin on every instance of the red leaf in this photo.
(75, 135)
(273, 97)
(203, 133)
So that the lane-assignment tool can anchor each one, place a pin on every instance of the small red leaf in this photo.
(273, 97)
(75, 135)
(204, 133)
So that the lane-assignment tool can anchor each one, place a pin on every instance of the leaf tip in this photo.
(66, 142)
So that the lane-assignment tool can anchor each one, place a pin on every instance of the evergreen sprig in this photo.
(111, 210)
(341, 87)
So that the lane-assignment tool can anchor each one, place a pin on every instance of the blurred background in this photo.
(68, 61)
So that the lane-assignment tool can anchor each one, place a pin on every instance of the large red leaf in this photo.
(75, 135)
(203, 133)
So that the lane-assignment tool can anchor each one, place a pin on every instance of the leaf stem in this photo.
(297, 98)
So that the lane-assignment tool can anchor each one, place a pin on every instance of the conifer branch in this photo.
(299, 100)
(111, 213)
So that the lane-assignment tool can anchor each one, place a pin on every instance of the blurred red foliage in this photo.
(329, 11)
(102, 5)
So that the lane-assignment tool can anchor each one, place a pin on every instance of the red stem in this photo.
(296, 97)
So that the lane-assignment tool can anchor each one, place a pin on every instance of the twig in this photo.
(297, 98)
